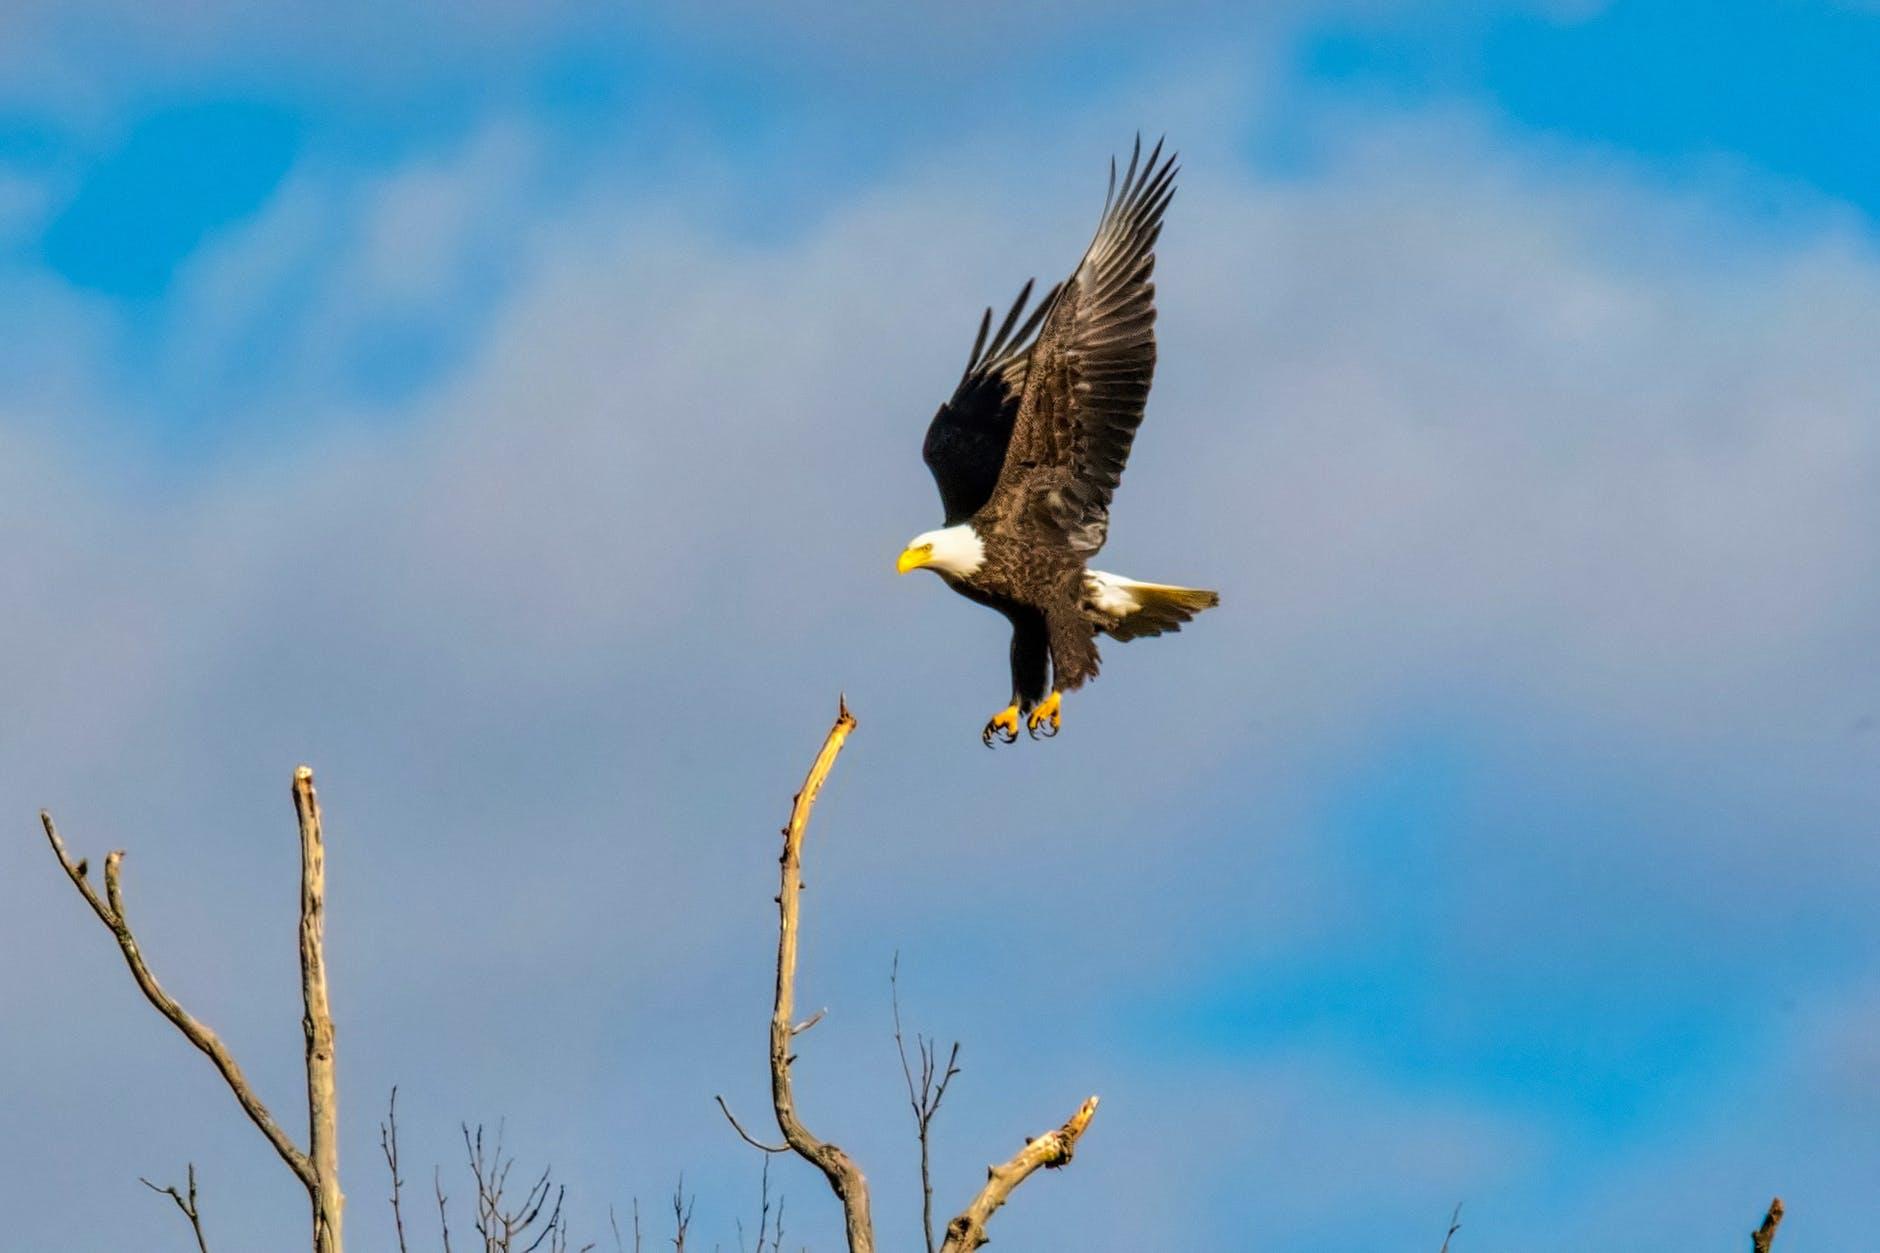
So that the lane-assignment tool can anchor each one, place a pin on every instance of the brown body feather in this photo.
(1085, 381)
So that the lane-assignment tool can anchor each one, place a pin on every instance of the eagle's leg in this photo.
(1030, 657)
(1045, 715)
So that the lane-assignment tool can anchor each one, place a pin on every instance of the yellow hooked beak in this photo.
(914, 558)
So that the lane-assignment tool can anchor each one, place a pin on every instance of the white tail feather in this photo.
(1125, 608)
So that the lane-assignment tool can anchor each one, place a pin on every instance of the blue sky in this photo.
(512, 412)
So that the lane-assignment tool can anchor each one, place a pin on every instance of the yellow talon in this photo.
(1004, 724)
(1047, 711)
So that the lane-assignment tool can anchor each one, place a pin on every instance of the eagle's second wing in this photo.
(1088, 376)
(966, 441)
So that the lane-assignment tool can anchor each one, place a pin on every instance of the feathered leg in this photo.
(1031, 654)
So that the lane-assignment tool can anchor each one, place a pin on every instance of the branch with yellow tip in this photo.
(968, 1231)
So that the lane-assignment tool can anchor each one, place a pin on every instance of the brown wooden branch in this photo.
(110, 912)
(967, 1231)
(744, 1135)
(185, 1203)
(1050, 1151)
(845, 1177)
(1764, 1237)
(318, 1167)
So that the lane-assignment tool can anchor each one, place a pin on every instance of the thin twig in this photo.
(744, 1135)
(443, 1205)
(923, 1099)
(1765, 1236)
(186, 1204)
(1455, 1225)
(681, 1216)
(844, 1176)
(388, 1145)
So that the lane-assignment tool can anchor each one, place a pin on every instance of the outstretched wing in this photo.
(1088, 376)
(966, 441)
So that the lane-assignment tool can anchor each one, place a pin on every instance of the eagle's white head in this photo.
(956, 551)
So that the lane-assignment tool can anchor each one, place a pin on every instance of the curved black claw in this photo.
(1042, 721)
(1002, 726)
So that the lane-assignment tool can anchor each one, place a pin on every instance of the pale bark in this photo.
(968, 1230)
(317, 1169)
(844, 1176)
(1050, 1151)
(317, 1023)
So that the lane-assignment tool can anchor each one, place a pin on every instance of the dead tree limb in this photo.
(388, 1145)
(1050, 1150)
(1764, 1237)
(317, 1021)
(318, 1168)
(968, 1230)
(845, 1177)
(744, 1135)
(185, 1203)
(443, 1204)
(923, 1098)
(1455, 1225)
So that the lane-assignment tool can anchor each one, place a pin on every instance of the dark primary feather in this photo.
(965, 446)
(1088, 375)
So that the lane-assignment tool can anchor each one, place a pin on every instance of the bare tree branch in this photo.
(764, 1226)
(845, 1177)
(681, 1216)
(1050, 1150)
(185, 1203)
(1455, 1225)
(1764, 1237)
(318, 1167)
(535, 1222)
(443, 1205)
(110, 912)
(388, 1145)
(968, 1230)
(317, 1021)
(744, 1135)
(925, 1098)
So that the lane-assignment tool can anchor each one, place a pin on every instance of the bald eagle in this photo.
(1031, 447)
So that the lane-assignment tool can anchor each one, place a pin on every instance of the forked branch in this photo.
(968, 1230)
(185, 1203)
(924, 1097)
(318, 1167)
